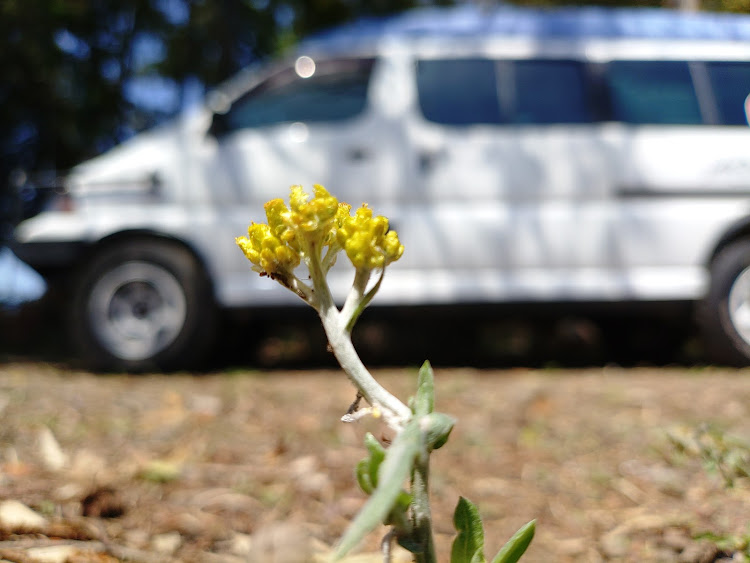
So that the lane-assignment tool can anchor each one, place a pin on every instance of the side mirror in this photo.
(747, 109)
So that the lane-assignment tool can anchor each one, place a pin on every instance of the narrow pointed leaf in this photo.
(397, 466)
(424, 402)
(363, 476)
(468, 546)
(516, 546)
(377, 455)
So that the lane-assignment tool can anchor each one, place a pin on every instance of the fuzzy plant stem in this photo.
(421, 514)
(395, 412)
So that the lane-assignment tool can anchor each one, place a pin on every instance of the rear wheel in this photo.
(142, 305)
(724, 315)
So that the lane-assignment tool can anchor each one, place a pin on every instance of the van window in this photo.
(483, 91)
(730, 82)
(458, 91)
(336, 91)
(653, 92)
(547, 92)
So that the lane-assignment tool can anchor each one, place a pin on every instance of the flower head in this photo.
(301, 230)
(269, 253)
(367, 241)
(312, 215)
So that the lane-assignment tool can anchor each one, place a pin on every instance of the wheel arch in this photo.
(146, 235)
(739, 230)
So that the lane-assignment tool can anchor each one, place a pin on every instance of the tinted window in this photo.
(730, 83)
(659, 92)
(336, 91)
(470, 91)
(458, 92)
(548, 92)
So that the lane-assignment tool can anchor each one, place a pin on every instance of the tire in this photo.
(142, 305)
(724, 314)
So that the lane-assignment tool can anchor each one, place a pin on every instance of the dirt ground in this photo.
(256, 466)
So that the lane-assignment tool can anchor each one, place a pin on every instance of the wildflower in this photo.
(367, 241)
(301, 230)
(267, 252)
(312, 215)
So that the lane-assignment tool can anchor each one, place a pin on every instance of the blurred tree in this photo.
(71, 68)
(64, 65)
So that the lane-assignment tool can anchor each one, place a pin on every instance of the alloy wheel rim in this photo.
(137, 310)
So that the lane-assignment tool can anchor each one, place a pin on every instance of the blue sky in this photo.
(18, 282)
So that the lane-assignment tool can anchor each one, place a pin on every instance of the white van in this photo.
(571, 156)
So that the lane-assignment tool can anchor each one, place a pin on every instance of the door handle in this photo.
(427, 159)
(357, 154)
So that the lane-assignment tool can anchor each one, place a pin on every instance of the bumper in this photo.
(48, 255)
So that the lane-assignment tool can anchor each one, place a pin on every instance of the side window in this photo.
(474, 91)
(335, 91)
(458, 91)
(730, 83)
(547, 92)
(653, 92)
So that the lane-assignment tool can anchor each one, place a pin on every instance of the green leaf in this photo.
(424, 402)
(516, 546)
(377, 455)
(437, 428)
(363, 476)
(468, 547)
(397, 466)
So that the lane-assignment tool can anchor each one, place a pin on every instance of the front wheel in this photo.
(142, 305)
(724, 314)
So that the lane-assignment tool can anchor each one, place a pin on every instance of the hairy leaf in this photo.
(516, 546)
(424, 402)
(377, 455)
(397, 466)
(437, 428)
(468, 547)
(363, 476)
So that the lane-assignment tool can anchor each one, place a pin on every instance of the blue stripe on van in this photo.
(568, 22)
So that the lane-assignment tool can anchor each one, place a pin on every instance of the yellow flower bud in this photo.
(367, 241)
(266, 251)
(312, 215)
(393, 247)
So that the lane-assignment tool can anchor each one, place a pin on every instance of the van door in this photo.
(687, 147)
(518, 177)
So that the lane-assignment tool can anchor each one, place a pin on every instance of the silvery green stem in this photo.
(395, 412)
(421, 514)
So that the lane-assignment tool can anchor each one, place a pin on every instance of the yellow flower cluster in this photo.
(367, 241)
(276, 248)
(268, 252)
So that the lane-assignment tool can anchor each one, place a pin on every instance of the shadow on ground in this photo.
(500, 337)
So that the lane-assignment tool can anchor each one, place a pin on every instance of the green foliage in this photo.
(720, 453)
(436, 428)
(468, 546)
(729, 543)
(517, 545)
(424, 401)
(367, 469)
(391, 474)
(160, 471)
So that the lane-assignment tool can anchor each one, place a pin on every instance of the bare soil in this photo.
(255, 465)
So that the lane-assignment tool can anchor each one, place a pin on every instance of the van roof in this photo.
(554, 23)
